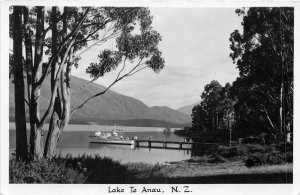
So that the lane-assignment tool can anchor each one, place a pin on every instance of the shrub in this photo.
(216, 159)
(258, 159)
(99, 170)
(270, 139)
(253, 140)
(42, 171)
(274, 158)
(227, 152)
(255, 148)
(285, 147)
(255, 159)
(289, 157)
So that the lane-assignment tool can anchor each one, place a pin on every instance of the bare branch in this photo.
(118, 78)
(138, 64)
(96, 95)
(138, 70)
(122, 68)
(83, 86)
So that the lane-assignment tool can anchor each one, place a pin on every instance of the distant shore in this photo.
(81, 127)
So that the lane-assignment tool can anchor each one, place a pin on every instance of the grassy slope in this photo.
(230, 172)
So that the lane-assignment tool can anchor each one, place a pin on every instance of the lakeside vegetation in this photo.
(238, 164)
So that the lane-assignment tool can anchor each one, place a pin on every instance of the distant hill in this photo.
(187, 109)
(110, 107)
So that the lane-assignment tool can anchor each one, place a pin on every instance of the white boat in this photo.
(112, 137)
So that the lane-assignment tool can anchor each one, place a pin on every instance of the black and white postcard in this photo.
(149, 97)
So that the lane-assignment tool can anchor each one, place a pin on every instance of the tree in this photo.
(74, 31)
(200, 118)
(211, 102)
(21, 136)
(208, 113)
(264, 56)
(227, 109)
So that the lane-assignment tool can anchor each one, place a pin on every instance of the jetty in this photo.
(181, 145)
(171, 144)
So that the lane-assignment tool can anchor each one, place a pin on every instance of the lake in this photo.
(75, 140)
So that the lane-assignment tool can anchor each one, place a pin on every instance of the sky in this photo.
(195, 47)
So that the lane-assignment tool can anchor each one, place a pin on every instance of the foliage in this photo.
(97, 169)
(229, 152)
(59, 36)
(216, 106)
(215, 158)
(43, 171)
(264, 56)
(285, 147)
(82, 169)
(258, 159)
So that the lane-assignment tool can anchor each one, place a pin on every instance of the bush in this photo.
(216, 159)
(258, 159)
(81, 169)
(227, 152)
(42, 171)
(97, 169)
(257, 148)
(286, 147)
(253, 140)
(289, 157)
(274, 158)
(255, 159)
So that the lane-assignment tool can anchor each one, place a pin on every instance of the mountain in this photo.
(187, 109)
(109, 107)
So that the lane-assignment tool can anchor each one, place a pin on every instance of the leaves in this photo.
(264, 56)
(108, 61)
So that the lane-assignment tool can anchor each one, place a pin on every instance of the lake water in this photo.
(75, 140)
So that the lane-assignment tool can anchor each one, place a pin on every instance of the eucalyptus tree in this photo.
(60, 36)
(264, 55)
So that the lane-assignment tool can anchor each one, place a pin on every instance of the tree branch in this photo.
(53, 96)
(53, 57)
(91, 34)
(122, 68)
(96, 95)
(265, 112)
(118, 78)
(138, 70)
(99, 43)
(50, 26)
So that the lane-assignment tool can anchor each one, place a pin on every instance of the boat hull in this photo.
(95, 139)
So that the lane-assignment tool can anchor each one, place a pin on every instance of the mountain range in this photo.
(187, 109)
(110, 107)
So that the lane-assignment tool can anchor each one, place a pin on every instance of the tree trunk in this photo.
(20, 120)
(36, 144)
(54, 131)
(229, 132)
(28, 48)
(61, 112)
(279, 133)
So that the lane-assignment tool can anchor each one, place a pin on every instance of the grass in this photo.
(226, 165)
